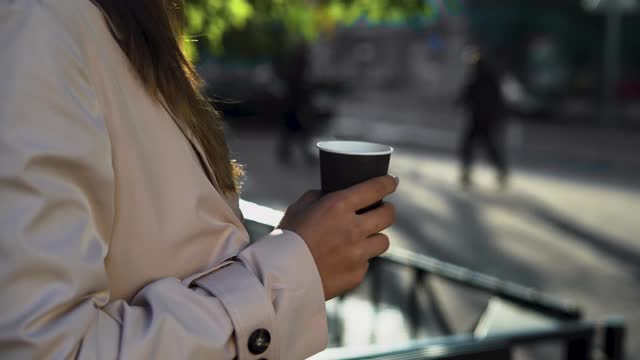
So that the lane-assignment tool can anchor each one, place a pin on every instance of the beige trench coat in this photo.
(113, 241)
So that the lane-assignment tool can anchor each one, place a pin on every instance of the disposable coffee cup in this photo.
(347, 163)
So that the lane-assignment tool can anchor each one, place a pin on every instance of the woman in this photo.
(120, 235)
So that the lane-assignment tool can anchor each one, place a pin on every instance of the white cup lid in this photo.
(354, 148)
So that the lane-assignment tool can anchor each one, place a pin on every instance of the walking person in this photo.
(485, 128)
(294, 71)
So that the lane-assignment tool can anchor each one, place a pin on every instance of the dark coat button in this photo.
(259, 341)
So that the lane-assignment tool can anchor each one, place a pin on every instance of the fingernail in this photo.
(397, 179)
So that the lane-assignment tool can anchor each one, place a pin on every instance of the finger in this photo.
(376, 245)
(369, 192)
(305, 201)
(379, 218)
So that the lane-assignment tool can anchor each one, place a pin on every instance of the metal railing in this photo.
(577, 335)
(518, 294)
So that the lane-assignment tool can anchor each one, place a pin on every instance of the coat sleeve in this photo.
(56, 213)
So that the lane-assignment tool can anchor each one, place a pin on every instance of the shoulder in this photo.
(64, 10)
(43, 35)
(44, 58)
(52, 21)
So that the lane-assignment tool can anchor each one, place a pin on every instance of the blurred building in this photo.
(557, 50)
(426, 58)
(550, 53)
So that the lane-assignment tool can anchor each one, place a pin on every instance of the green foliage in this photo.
(258, 28)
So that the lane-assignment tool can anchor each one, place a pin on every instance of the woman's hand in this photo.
(341, 241)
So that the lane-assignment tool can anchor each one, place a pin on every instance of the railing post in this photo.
(580, 348)
(336, 323)
(614, 336)
(414, 302)
(375, 269)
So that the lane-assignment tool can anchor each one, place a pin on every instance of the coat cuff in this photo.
(247, 304)
(272, 285)
(283, 263)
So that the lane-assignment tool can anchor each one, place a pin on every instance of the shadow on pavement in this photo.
(605, 244)
(470, 242)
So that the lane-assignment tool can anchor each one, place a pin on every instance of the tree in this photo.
(258, 28)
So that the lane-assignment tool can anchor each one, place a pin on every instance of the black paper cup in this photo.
(347, 163)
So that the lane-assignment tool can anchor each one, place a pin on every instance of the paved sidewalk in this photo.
(562, 232)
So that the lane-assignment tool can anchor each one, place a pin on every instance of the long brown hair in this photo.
(149, 32)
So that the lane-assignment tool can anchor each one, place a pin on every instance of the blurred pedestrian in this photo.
(120, 231)
(485, 128)
(293, 69)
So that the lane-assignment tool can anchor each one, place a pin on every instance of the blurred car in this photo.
(523, 103)
(253, 97)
